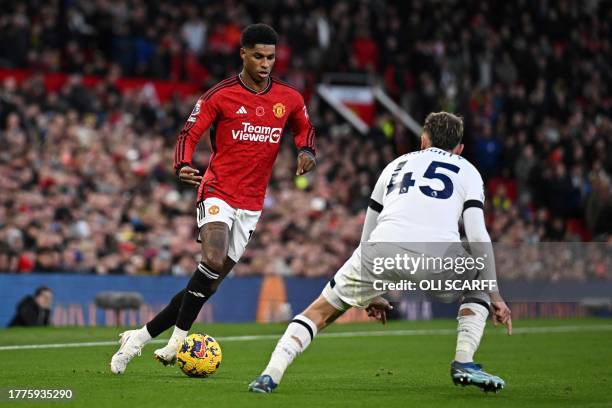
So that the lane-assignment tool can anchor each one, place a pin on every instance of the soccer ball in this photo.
(199, 355)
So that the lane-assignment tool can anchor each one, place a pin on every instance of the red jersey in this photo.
(246, 128)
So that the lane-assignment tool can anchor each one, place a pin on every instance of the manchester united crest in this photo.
(213, 210)
(279, 110)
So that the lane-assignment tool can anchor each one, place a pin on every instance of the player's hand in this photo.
(188, 175)
(305, 163)
(378, 309)
(501, 312)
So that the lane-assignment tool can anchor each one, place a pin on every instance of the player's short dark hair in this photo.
(42, 289)
(258, 34)
(444, 129)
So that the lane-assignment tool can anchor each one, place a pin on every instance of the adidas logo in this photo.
(241, 111)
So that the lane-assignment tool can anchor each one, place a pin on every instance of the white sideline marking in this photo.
(370, 333)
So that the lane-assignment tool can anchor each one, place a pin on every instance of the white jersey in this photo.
(422, 195)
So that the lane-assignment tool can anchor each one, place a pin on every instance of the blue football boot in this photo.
(263, 384)
(472, 374)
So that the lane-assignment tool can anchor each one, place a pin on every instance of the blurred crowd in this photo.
(86, 183)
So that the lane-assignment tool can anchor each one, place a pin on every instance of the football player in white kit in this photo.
(418, 200)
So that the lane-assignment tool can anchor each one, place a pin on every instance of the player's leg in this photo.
(223, 244)
(300, 332)
(212, 269)
(471, 319)
(132, 341)
(344, 291)
(220, 215)
(225, 233)
(166, 318)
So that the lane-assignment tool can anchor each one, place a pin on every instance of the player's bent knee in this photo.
(474, 308)
(321, 312)
(466, 312)
(214, 259)
(477, 305)
(333, 299)
(316, 317)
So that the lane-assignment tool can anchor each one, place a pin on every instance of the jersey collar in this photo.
(440, 150)
(251, 90)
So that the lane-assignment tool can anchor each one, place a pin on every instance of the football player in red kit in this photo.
(246, 115)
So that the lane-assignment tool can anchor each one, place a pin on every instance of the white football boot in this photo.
(167, 354)
(130, 347)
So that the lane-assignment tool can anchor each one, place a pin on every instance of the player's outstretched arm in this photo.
(480, 242)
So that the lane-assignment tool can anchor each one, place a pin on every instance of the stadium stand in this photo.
(86, 184)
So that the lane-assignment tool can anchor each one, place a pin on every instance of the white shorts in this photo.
(353, 284)
(241, 223)
(348, 288)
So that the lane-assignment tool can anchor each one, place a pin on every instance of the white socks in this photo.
(297, 337)
(178, 336)
(142, 335)
(470, 330)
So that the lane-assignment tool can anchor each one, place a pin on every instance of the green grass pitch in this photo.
(545, 363)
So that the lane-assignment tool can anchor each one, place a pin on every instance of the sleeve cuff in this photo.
(309, 151)
(473, 203)
(375, 205)
(178, 167)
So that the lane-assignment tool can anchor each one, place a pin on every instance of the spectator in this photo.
(34, 310)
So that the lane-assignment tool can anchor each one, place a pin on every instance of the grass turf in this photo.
(563, 368)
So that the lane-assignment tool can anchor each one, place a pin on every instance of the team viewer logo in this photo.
(256, 133)
(279, 110)
(213, 210)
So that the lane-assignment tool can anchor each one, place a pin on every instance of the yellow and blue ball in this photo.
(199, 355)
